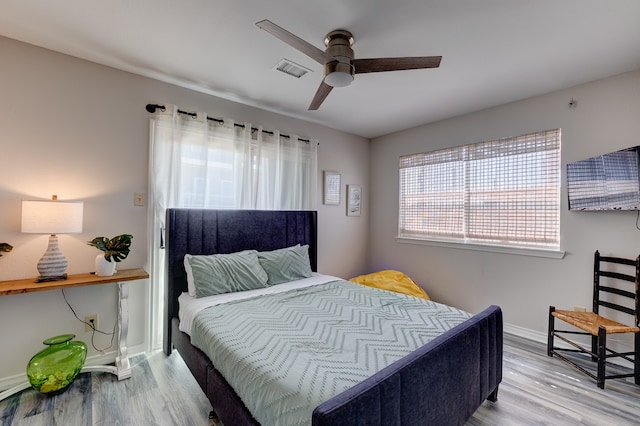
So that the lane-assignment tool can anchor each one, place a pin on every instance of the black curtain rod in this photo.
(153, 107)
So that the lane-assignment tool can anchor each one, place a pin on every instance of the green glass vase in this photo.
(52, 370)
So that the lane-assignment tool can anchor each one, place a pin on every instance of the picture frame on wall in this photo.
(354, 200)
(331, 188)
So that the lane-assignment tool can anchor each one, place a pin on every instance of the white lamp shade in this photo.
(52, 217)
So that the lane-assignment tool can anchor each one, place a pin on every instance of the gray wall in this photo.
(79, 130)
(607, 118)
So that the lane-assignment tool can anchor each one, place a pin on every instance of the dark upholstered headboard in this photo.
(206, 231)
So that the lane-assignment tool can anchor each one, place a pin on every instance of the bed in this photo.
(442, 382)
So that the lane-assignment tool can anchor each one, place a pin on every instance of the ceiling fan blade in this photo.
(321, 94)
(294, 41)
(395, 64)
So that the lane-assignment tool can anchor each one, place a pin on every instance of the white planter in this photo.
(104, 268)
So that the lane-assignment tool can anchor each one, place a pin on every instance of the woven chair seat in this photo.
(591, 322)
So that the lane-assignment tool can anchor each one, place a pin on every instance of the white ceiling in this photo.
(494, 51)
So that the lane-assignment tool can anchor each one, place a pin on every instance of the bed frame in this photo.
(441, 383)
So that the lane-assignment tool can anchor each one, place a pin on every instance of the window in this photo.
(200, 163)
(504, 192)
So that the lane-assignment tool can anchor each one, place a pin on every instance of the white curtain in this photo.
(201, 163)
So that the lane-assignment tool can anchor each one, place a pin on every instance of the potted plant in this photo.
(115, 250)
(6, 248)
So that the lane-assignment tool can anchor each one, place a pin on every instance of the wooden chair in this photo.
(613, 297)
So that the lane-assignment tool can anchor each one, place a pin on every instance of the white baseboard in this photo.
(11, 381)
(516, 330)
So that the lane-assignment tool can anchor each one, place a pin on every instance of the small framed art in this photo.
(354, 200)
(331, 194)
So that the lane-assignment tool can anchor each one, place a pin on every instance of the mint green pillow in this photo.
(287, 264)
(226, 273)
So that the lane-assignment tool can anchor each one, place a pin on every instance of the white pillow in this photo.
(190, 283)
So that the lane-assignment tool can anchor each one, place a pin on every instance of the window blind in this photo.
(504, 192)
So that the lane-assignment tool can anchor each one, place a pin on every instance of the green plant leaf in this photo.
(116, 249)
(100, 243)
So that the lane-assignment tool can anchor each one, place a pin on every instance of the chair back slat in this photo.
(617, 275)
(602, 262)
(619, 260)
(623, 293)
(617, 307)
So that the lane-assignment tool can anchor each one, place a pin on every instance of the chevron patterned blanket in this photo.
(286, 353)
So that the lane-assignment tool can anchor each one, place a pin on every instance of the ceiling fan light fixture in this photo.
(338, 74)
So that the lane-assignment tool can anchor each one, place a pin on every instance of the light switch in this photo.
(138, 198)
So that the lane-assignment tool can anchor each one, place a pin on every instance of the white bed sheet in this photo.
(189, 306)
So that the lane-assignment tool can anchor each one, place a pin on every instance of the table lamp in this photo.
(52, 217)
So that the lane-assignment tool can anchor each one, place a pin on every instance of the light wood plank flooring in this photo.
(536, 390)
(539, 390)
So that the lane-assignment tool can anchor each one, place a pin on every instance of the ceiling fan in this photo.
(339, 63)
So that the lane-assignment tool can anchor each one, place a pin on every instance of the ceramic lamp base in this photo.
(53, 265)
(42, 279)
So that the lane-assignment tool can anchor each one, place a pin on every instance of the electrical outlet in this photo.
(90, 319)
(138, 198)
(579, 309)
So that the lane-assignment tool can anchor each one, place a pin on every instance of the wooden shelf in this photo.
(77, 280)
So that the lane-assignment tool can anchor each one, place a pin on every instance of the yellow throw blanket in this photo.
(391, 280)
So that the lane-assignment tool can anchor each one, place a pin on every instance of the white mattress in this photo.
(189, 306)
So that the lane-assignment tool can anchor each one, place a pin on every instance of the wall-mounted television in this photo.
(606, 182)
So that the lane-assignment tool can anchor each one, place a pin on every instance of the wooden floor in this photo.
(539, 390)
(536, 390)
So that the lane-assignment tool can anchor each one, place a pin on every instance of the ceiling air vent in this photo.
(291, 68)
